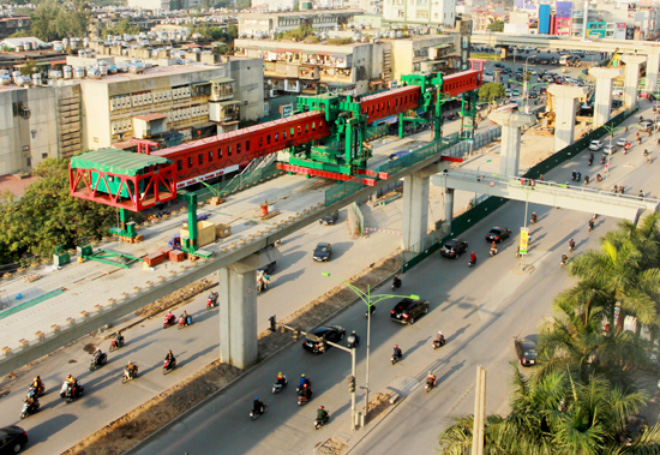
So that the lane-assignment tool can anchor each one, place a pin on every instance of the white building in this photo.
(20, 43)
(154, 5)
(423, 12)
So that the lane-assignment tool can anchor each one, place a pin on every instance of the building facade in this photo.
(267, 24)
(426, 12)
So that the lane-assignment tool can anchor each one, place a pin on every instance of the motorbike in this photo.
(571, 247)
(599, 178)
(591, 225)
(169, 321)
(591, 161)
(602, 159)
(430, 384)
(302, 400)
(396, 358)
(70, 392)
(28, 409)
(439, 343)
(212, 301)
(373, 311)
(472, 263)
(38, 391)
(564, 260)
(254, 415)
(126, 377)
(534, 219)
(98, 361)
(493, 252)
(277, 388)
(116, 343)
(168, 366)
(184, 321)
(309, 384)
(396, 284)
(318, 423)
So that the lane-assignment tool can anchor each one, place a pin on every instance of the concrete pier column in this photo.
(631, 79)
(415, 209)
(564, 102)
(511, 123)
(603, 95)
(237, 289)
(449, 207)
(652, 68)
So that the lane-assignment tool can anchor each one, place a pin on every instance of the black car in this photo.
(322, 252)
(499, 65)
(526, 352)
(269, 268)
(407, 310)
(12, 439)
(329, 220)
(498, 234)
(454, 248)
(332, 333)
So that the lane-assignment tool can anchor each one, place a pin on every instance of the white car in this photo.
(609, 149)
(596, 145)
(621, 142)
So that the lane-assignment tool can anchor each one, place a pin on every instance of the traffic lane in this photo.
(146, 345)
(487, 341)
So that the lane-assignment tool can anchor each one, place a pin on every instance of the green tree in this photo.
(492, 91)
(47, 216)
(496, 26)
(29, 68)
(44, 21)
(124, 26)
(243, 4)
(556, 415)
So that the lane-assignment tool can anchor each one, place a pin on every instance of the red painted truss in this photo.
(391, 102)
(462, 82)
(133, 193)
(325, 174)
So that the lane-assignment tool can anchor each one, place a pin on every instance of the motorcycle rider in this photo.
(280, 379)
(119, 338)
(257, 406)
(591, 224)
(170, 359)
(431, 379)
(322, 415)
(71, 384)
(564, 258)
(70, 380)
(534, 218)
(473, 258)
(354, 339)
(303, 381)
(169, 317)
(306, 392)
(571, 244)
(187, 319)
(398, 354)
(493, 248)
(38, 386)
(440, 338)
(213, 297)
(33, 403)
(396, 282)
(131, 370)
(641, 195)
(646, 152)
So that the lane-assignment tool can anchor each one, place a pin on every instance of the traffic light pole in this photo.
(324, 343)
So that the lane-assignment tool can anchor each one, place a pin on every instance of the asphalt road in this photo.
(480, 310)
(296, 281)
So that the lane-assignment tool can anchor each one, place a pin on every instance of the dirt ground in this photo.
(125, 432)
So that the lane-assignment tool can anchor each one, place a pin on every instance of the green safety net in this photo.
(116, 161)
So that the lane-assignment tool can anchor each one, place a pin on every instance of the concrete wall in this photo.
(404, 58)
(43, 127)
(249, 79)
(14, 132)
(95, 115)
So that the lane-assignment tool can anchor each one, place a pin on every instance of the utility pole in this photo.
(479, 412)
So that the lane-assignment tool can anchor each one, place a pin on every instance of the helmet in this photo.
(69, 376)
(396, 345)
(353, 332)
(396, 276)
(279, 374)
(430, 372)
(302, 375)
(321, 407)
(256, 398)
(439, 332)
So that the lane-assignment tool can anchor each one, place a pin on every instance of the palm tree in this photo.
(556, 415)
(575, 341)
(616, 272)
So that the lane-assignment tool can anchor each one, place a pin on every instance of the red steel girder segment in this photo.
(465, 81)
(155, 187)
(391, 102)
(325, 174)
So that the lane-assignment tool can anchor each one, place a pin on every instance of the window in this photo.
(229, 150)
(44, 155)
(190, 162)
(277, 137)
(200, 159)
(238, 148)
(220, 153)
(210, 155)
(179, 165)
(284, 135)
(247, 146)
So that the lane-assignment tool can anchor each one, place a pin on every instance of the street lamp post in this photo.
(525, 90)
(369, 300)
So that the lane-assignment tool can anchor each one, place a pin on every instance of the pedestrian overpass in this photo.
(547, 193)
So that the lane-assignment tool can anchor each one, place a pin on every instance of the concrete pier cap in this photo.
(631, 78)
(603, 97)
(511, 122)
(565, 105)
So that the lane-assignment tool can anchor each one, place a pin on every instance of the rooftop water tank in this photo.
(54, 74)
(36, 79)
(5, 80)
(68, 72)
(79, 72)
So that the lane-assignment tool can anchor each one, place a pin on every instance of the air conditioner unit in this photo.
(273, 93)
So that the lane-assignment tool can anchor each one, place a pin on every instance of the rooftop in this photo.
(156, 71)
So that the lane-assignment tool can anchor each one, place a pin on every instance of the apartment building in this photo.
(425, 12)
(266, 24)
